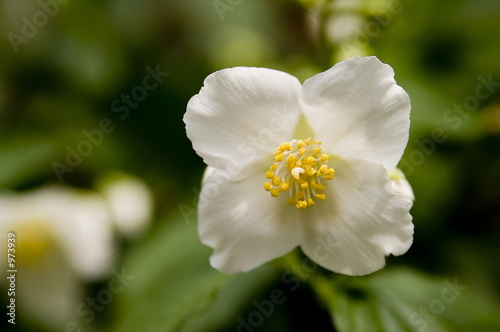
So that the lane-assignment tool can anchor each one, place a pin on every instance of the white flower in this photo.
(291, 164)
(63, 237)
(130, 202)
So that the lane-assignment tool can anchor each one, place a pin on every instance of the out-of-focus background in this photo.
(99, 182)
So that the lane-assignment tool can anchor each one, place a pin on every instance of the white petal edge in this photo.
(242, 113)
(358, 111)
(400, 184)
(360, 222)
(244, 225)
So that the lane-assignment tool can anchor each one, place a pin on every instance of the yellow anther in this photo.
(321, 197)
(275, 192)
(308, 141)
(320, 187)
(278, 157)
(318, 142)
(290, 158)
(329, 174)
(273, 167)
(309, 160)
(304, 185)
(322, 170)
(284, 147)
(291, 201)
(309, 170)
(310, 202)
(324, 157)
(269, 174)
(285, 186)
(317, 149)
(302, 151)
(300, 144)
(268, 186)
(276, 181)
(299, 194)
(301, 205)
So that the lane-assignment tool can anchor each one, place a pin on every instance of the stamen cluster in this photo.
(299, 167)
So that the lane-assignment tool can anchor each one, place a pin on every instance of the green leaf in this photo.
(175, 285)
(232, 300)
(404, 300)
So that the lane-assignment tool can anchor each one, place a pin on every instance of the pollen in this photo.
(301, 205)
(300, 167)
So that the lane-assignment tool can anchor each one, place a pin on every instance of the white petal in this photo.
(51, 292)
(358, 111)
(243, 223)
(242, 113)
(84, 229)
(360, 222)
(400, 185)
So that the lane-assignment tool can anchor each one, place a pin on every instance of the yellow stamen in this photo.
(321, 197)
(276, 181)
(299, 195)
(300, 167)
(301, 205)
(284, 186)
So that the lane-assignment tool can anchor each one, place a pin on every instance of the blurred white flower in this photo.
(321, 150)
(63, 237)
(130, 202)
(343, 27)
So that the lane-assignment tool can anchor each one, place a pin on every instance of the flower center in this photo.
(299, 168)
(34, 242)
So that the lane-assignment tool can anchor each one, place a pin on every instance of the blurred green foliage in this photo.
(66, 77)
